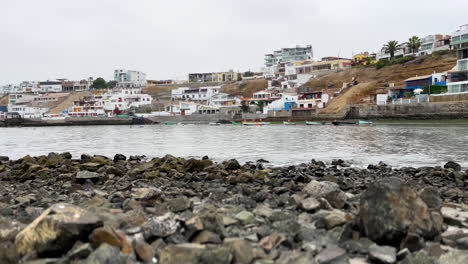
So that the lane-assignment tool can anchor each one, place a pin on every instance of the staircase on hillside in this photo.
(68, 102)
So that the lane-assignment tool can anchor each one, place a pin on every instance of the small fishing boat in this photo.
(311, 123)
(365, 123)
(236, 123)
(255, 123)
(214, 124)
(170, 123)
(287, 123)
(344, 123)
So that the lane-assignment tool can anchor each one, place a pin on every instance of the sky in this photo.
(77, 39)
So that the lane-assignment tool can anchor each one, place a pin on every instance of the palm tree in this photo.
(391, 47)
(414, 43)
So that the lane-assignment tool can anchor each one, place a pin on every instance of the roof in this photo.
(419, 78)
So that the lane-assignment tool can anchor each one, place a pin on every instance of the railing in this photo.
(416, 100)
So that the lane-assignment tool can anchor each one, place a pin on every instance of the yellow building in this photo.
(364, 58)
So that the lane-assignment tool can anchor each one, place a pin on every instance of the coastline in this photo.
(176, 210)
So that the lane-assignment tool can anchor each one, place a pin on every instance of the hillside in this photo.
(246, 88)
(370, 78)
(4, 100)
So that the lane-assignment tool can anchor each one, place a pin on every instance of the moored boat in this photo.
(365, 123)
(170, 123)
(245, 123)
(311, 123)
(287, 123)
(214, 124)
(344, 123)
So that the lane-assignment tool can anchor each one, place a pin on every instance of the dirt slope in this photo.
(246, 88)
(4, 100)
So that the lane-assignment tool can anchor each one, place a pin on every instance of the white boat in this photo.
(214, 124)
(365, 123)
(255, 123)
(311, 123)
(287, 123)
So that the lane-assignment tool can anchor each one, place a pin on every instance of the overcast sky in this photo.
(76, 39)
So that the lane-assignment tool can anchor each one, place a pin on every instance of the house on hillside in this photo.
(458, 78)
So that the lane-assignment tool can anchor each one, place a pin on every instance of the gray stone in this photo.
(309, 204)
(452, 165)
(107, 254)
(242, 250)
(455, 257)
(145, 193)
(332, 255)
(431, 197)
(382, 254)
(420, 257)
(160, 226)
(245, 217)
(179, 204)
(328, 190)
(389, 209)
(82, 176)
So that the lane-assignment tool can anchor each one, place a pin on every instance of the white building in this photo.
(285, 103)
(125, 98)
(286, 55)
(458, 78)
(50, 87)
(195, 93)
(128, 78)
(224, 99)
(26, 111)
(182, 108)
(432, 43)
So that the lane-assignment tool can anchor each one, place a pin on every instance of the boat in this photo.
(287, 123)
(311, 123)
(344, 123)
(170, 123)
(365, 123)
(255, 123)
(236, 123)
(214, 124)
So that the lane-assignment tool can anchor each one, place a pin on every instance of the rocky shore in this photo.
(56, 209)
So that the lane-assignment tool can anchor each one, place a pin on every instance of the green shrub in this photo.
(435, 89)
(440, 53)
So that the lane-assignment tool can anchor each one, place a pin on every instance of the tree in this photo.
(414, 43)
(260, 105)
(248, 74)
(245, 107)
(99, 83)
(391, 47)
(111, 84)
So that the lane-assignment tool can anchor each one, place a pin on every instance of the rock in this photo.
(462, 243)
(455, 216)
(82, 176)
(119, 157)
(81, 251)
(335, 218)
(242, 250)
(389, 209)
(272, 241)
(112, 237)
(420, 257)
(431, 197)
(144, 252)
(452, 165)
(179, 204)
(328, 190)
(4, 158)
(107, 254)
(295, 257)
(193, 165)
(245, 217)
(207, 237)
(194, 254)
(309, 204)
(56, 230)
(231, 165)
(455, 257)
(262, 161)
(161, 226)
(383, 254)
(333, 255)
(145, 193)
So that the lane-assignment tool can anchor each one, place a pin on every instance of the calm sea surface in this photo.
(395, 144)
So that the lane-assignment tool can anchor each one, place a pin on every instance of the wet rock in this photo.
(119, 157)
(231, 165)
(389, 209)
(328, 190)
(80, 251)
(452, 165)
(4, 158)
(56, 230)
(382, 254)
(462, 243)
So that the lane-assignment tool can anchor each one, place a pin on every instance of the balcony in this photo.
(459, 76)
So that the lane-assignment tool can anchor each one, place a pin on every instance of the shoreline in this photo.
(175, 210)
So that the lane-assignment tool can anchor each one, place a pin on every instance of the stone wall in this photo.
(195, 118)
(412, 111)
